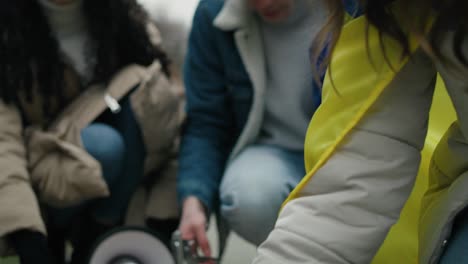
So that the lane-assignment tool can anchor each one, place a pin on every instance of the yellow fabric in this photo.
(345, 102)
(350, 100)
(401, 245)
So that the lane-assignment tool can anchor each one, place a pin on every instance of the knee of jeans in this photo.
(252, 207)
(251, 215)
(106, 145)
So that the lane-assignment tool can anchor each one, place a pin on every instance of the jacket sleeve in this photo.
(448, 174)
(344, 212)
(207, 137)
(18, 204)
(453, 72)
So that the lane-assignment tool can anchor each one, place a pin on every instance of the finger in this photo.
(202, 240)
(187, 231)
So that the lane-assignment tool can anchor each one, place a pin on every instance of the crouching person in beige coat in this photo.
(87, 115)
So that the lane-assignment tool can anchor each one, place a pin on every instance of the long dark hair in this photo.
(29, 53)
(398, 19)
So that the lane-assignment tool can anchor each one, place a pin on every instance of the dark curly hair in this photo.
(398, 19)
(29, 53)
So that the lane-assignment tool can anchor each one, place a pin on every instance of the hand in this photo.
(193, 224)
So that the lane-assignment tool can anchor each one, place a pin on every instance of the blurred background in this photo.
(173, 18)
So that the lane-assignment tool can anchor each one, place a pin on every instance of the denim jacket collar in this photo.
(235, 14)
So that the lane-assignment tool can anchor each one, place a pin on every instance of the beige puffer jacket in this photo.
(52, 165)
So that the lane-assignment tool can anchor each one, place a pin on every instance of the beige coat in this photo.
(52, 164)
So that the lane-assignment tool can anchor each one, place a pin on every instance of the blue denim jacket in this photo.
(219, 96)
(216, 114)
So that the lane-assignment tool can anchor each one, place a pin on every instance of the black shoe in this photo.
(83, 238)
(56, 240)
(31, 247)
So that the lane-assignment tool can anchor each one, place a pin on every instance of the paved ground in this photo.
(238, 251)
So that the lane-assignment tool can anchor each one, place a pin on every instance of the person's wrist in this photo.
(193, 202)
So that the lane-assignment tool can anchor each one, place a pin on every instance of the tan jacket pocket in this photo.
(63, 173)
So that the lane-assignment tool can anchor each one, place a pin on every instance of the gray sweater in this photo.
(289, 105)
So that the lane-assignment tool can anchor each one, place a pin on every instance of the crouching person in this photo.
(250, 96)
(87, 115)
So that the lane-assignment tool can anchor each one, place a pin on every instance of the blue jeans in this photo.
(457, 246)
(255, 185)
(115, 141)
